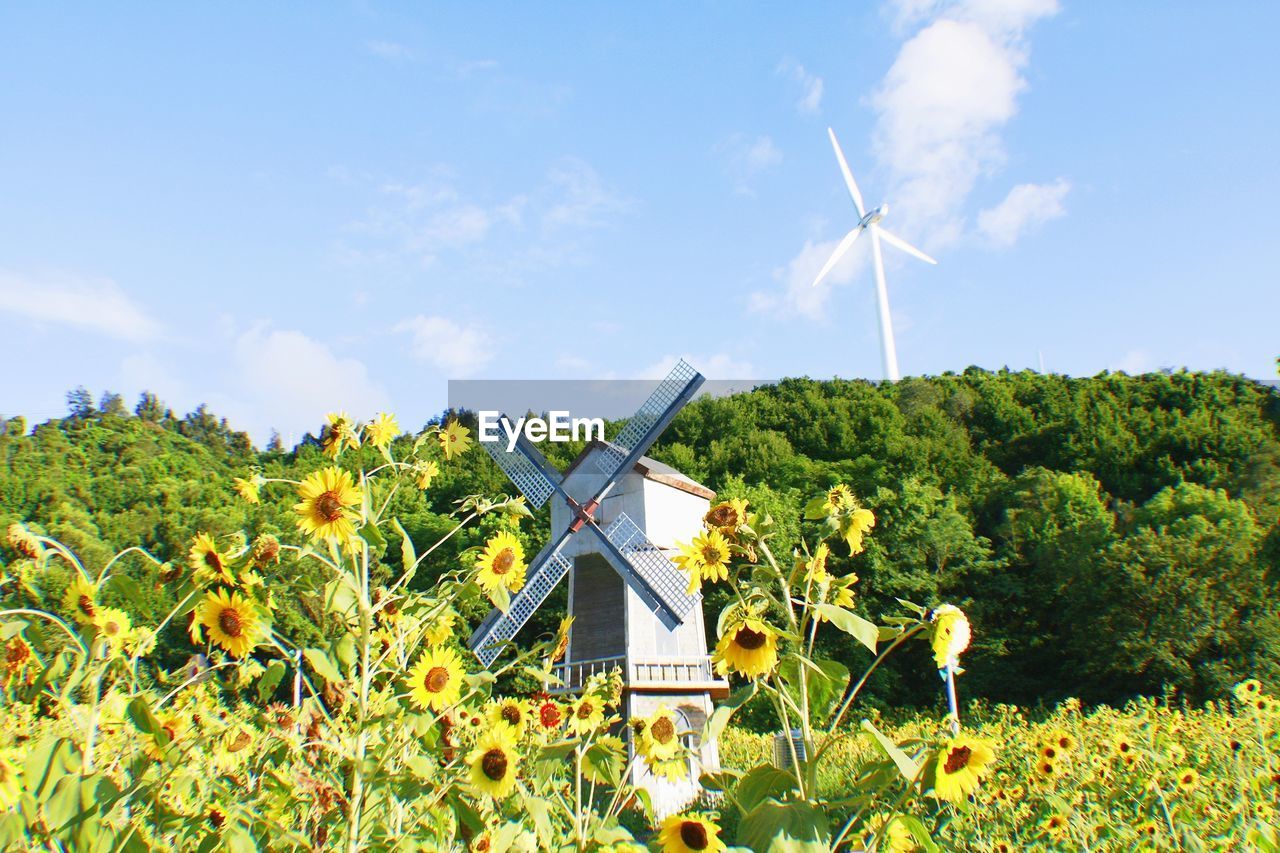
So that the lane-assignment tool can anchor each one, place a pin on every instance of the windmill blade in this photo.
(525, 467)
(895, 240)
(546, 570)
(644, 568)
(848, 176)
(838, 253)
(648, 422)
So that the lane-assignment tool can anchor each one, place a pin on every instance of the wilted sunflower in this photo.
(249, 489)
(340, 433)
(381, 430)
(950, 636)
(660, 738)
(24, 542)
(81, 599)
(960, 766)
(424, 472)
(10, 781)
(509, 712)
(690, 834)
(232, 621)
(562, 639)
(501, 563)
(586, 714)
(207, 562)
(325, 510)
(727, 516)
(749, 647)
(435, 683)
(113, 626)
(494, 763)
(455, 439)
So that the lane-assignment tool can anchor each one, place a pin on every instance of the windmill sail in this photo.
(657, 580)
(650, 419)
(525, 467)
(547, 570)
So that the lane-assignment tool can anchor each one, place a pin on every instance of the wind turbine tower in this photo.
(870, 221)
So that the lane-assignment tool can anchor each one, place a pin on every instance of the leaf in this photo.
(323, 666)
(816, 509)
(500, 597)
(913, 607)
(140, 714)
(345, 651)
(371, 534)
(908, 768)
(826, 681)
(720, 716)
(919, 832)
(48, 762)
(760, 784)
(540, 813)
(270, 680)
(720, 781)
(855, 626)
(794, 826)
(408, 556)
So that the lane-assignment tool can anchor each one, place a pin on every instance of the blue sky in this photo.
(287, 208)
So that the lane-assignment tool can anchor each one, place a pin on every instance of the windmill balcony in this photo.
(648, 674)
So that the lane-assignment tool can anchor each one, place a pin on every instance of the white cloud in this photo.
(388, 50)
(745, 158)
(578, 198)
(96, 304)
(810, 84)
(1024, 208)
(799, 296)
(453, 349)
(941, 107)
(717, 366)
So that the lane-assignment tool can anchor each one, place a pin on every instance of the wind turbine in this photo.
(870, 221)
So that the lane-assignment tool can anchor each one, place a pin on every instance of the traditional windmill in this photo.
(630, 603)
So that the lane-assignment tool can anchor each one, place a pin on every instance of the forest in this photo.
(1110, 537)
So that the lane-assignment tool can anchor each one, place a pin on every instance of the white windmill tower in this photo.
(870, 221)
(616, 515)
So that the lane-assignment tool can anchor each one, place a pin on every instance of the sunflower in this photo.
(1188, 778)
(1056, 825)
(81, 599)
(494, 764)
(381, 430)
(1121, 748)
(113, 626)
(562, 639)
(1046, 768)
(839, 499)
(208, 564)
(727, 516)
(424, 472)
(441, 628)
(249, 489)
(548, 713)
(713, 555)
(172, 727)
(1062, 740)
(340, 433)
(232, 621)
(895, 835)
(10, 781)
(661, 736)
(816, 568)
(436, 681)
(842, 591)
(325, 509)
(854, 525)
(951, 635)
(586, 714)
(690, 834)
(501, 563)
(749, 647)
(960, 766)
(511, 713)
(22, 541)
(455, 439)
(1248, 689)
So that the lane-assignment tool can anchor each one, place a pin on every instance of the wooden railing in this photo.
(647, 672)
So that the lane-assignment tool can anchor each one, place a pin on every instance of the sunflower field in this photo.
(380, 732)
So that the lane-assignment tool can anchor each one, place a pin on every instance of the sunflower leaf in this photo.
(323, 666)
(720, 716)
(408, 556)
(908, 768)
(855, 626)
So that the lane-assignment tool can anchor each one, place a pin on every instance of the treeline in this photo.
(1109, 536)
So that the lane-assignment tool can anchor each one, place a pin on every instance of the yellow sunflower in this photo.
(441, 628)
(586, 714)
(562, 639)
(816, 568)
(424, 472)
(207, 562)
(842, 591)
(24, 542)
(249, 489)
(381, 430)
(895, 835)
(1188, 779)
(839, 499)
(81, 599)
(854, 526)
(501, 563)
(10, 781)
(1247, 689)
(455, 439)
(338, 434)
(325, 510)
(511, 713)
(705, 558)
(961, 764)
(727, 516)
(749, 647)
(494, 764)
(690, 834)
(436, 681)
(113, 626)
(660, 739)
(232, 621)
(951, 635)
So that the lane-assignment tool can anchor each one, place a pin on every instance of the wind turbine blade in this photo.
(848, 176)
(838, 253)
(894, 240)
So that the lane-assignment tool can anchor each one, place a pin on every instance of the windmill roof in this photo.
(650, 469)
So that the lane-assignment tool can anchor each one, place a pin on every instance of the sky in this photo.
(285, 209)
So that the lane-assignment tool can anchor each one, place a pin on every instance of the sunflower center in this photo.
(229, 622)
(504, 561)
(85, 603)
(111, 629)
(511, 714)
(711, 554)
(958, 759)
(213, 561)
(437, 679)
(663, 730)
(749, 639)
(549, 715)
(694, 835)
(329, 507)
(585, 710)
(494, 764)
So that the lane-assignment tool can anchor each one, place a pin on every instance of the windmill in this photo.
(870, 221)
(630, 603)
